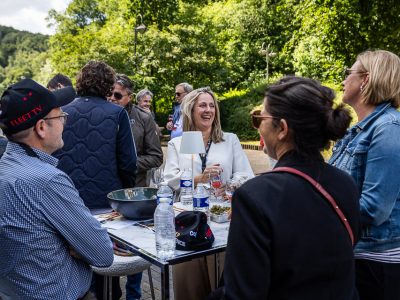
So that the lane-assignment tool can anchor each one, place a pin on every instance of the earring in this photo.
(362, 87)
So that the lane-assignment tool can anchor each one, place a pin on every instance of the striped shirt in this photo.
(387, 256)
(42, 218)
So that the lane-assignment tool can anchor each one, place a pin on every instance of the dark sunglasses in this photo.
(118, 96)
(348, 72)
(256, 118)
(179, 94)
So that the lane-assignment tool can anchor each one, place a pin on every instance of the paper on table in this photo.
(118, 223)
(113, 220)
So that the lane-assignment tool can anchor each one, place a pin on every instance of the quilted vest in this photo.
(89, 155)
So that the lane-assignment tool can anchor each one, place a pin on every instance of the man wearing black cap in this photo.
(48, 238)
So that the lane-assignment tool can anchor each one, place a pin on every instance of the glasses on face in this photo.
(256, 118)
(348, 72)
(118, 96)
(179, 94)
(63, 118)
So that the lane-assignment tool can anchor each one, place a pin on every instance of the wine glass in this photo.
(216, 183)
(241, 178)
(157, 176)
(230, 188)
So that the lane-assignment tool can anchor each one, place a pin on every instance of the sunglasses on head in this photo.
(118, 96)
(256, 118)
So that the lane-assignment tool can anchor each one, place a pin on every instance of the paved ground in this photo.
(259, 163)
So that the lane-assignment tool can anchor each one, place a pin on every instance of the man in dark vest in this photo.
(99, 152)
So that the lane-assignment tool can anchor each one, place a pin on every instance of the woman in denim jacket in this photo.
(370, 152)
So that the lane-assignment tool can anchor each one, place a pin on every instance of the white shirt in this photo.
(228, 154)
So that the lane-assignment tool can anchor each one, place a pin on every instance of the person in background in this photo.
(3, 143)
(369, 152)
(175, 125)
(144, 98)
(225, 156)
(144, 130)
(148, 147)
(99, 152)
(48, 237)
(284, 235)
(59, 81)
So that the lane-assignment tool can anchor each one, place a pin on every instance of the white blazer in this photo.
(229, 154)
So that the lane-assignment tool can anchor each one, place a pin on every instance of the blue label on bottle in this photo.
(185, 183)
(170, 203)
(200, 202)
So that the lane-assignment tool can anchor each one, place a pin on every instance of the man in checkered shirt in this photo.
(48, 238)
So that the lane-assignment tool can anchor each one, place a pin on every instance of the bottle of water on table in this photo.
(186, 187)
(164, 223)
(201, 201)
(165, 191)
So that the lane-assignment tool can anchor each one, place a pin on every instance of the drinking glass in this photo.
(240, 178)
(216, 183)
(230, 188)
(157, 176)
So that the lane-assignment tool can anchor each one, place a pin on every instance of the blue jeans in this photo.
(132, 286)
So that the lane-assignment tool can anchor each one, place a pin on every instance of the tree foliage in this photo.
(219, 43)
(22, 55)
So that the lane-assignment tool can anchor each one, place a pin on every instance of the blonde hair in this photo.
(187, 106)
(383, 68)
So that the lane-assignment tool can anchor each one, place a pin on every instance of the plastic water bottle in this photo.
(164, 223)
(165, 192)
(200, 200)
(186, 187)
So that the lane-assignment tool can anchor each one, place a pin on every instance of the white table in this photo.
(141, 241)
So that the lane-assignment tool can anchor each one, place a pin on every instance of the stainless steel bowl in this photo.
(135, 203)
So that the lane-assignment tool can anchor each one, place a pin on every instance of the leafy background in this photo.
(206, 43)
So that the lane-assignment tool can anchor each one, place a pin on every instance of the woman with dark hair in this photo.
(286, 239)
(370, 154)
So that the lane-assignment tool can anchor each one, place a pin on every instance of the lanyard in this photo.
(203, 156)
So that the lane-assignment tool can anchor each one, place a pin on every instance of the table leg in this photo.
(165, 282)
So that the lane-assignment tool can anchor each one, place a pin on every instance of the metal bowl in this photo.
(135, 203)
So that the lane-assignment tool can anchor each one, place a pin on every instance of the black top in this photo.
(285, 240)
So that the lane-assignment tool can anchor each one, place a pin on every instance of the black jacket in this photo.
(285, 240)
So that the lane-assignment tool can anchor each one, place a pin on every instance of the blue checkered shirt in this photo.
(42, 218)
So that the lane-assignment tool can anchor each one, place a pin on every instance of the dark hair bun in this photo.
(338, 120)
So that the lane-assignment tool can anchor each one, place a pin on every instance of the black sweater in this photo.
(285, 240)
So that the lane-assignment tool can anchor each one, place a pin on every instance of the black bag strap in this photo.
(324, 193)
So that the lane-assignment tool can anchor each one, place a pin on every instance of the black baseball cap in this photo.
(26, 102)
(192, 231)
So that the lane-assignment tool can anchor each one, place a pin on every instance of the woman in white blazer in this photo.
(224, 156)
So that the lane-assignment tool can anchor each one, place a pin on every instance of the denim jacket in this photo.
(370, 152)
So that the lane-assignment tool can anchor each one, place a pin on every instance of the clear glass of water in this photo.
(157, 176)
